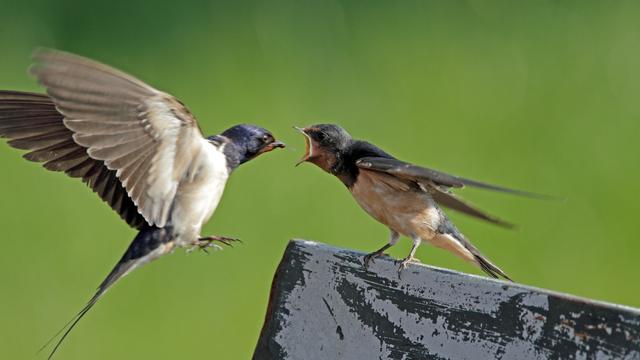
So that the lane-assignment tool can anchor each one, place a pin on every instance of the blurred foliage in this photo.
(539, 95)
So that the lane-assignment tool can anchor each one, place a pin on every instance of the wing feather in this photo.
(125, 161)
(451, 201)
(25, 131)
(81, 169)
(52, 152)
(118, 150)
(66, 162)
(104, 127)
(31, 122)
(425, 175)
(434, 182)
(145, 135)
(107, 140)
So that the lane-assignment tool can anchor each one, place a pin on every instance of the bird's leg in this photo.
(393, 239)
(222, 239)
(411, 258)
(208, 241)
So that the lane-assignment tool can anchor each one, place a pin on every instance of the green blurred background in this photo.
(536, 95)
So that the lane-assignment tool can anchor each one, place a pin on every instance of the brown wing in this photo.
(436, 183)
(425, 175)
(449, 200)
(31, 122)
(146, 136)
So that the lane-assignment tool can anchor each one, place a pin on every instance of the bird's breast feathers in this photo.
(200, 191)
(395, 204)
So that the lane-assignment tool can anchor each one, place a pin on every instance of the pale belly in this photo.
(198, 197)
(389, 201)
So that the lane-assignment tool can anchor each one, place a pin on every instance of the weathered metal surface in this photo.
(325, 305)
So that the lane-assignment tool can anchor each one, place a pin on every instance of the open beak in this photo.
(308, 150)
(273, 145)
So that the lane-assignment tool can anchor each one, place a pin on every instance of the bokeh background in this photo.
(536, 95)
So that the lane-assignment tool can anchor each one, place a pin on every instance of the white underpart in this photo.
(448, 242)
(198, 193)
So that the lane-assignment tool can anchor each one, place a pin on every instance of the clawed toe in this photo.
(370, 258)
(207, 242)
(204, 247)
(221, 239)
(404, 263)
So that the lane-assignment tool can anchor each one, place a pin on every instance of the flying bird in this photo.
(404, 197)
(138, 148)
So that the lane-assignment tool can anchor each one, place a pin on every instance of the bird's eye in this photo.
(321, 136)
(265, 138)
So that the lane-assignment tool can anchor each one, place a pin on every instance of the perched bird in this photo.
(138, 148)
(404, 197)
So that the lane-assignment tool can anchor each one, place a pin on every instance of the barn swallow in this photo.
(404, 197)
(138, 148)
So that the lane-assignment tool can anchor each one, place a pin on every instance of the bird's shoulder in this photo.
(360, 149)
(347, 170)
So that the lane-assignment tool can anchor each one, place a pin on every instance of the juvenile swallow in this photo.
(404, 197)
(138, 148)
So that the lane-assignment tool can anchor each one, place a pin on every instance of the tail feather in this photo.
(484, 263)
(148, 245)
(489, 268)
(475, 256)
(71, 324)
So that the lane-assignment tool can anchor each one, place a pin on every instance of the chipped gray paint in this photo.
(324, 305)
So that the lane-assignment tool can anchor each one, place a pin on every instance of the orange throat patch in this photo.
(308, 151)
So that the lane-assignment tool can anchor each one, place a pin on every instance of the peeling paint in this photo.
(325, 305)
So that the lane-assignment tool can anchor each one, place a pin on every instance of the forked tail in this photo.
(471, 253)
(149, 244)
(489, 268)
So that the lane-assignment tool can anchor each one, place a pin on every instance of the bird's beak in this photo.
(273, 145)
(278, 144)
(309, 149)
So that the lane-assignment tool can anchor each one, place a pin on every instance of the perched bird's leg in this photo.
(208, 241)
(393, 239)
(411, 258)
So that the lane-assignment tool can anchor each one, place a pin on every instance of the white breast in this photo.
(199, 192)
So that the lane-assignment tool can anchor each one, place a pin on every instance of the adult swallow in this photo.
(404, 197)
(138, 148)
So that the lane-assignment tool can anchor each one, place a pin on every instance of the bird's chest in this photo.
(393, 203)
(200, 191)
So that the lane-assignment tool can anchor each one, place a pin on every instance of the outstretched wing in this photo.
(146, 136)
(425, 175)
(31, 122)
(437, 184)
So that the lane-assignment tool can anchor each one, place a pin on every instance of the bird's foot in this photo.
(370, 258)
(206, 242)
(404, 263)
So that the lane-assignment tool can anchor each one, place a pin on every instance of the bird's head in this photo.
(325, 145)
(249, 141)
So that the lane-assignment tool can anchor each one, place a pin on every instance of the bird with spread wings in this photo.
(138, 148)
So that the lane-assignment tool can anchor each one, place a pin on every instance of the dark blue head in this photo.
(246, 142)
